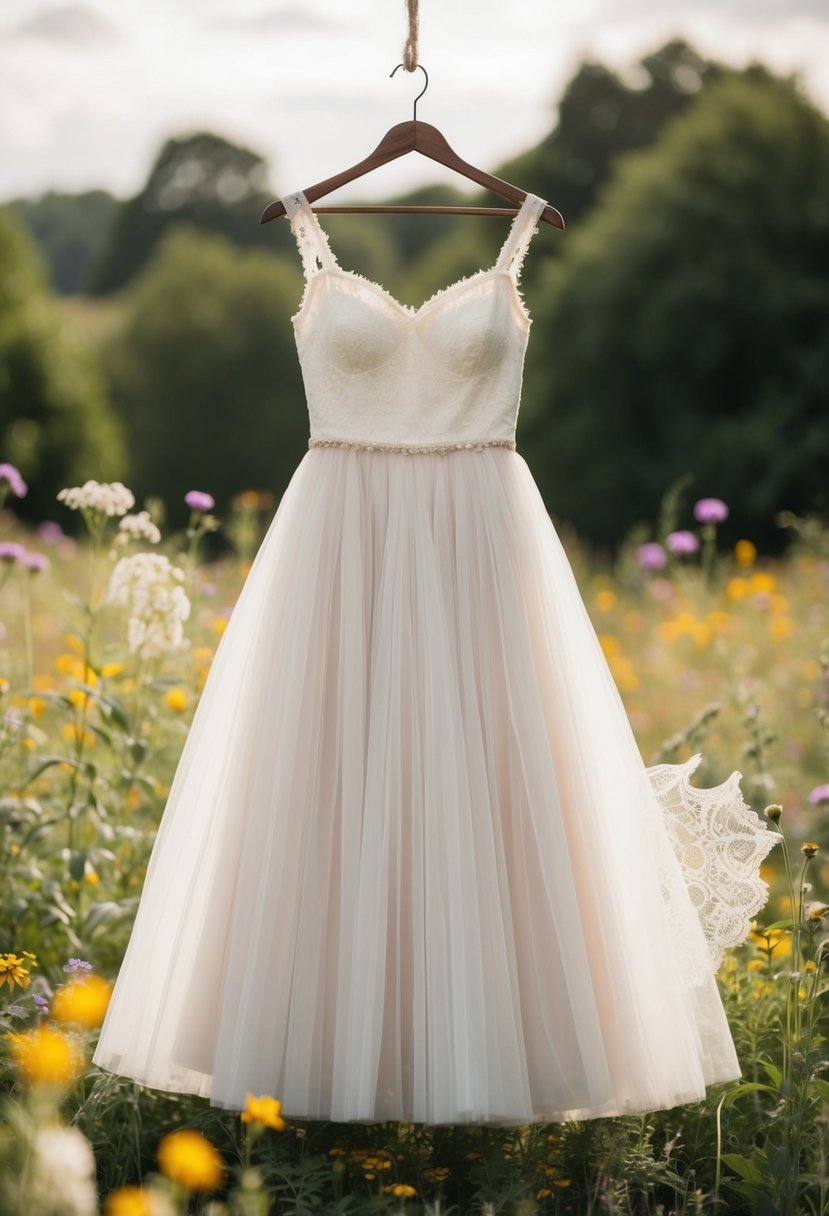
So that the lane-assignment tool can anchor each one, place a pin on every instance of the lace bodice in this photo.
(378, 372)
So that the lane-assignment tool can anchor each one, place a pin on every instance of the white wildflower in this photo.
(139, 527)
(111, 498)
(148, 585)
(63, 1174)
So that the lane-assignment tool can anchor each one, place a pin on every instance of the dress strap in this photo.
(310, 236)
(524, 225)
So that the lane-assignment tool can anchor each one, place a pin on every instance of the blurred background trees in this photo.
(681, 322)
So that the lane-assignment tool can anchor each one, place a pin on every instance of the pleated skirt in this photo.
(412, 865)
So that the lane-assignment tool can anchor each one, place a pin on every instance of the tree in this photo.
(200, 179)
(205, 372)
(56, 422)
(69, 230)
(686, 326)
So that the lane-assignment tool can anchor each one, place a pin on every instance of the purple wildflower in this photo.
(16, 483)
(819, 794)
(198, 500)
(41, 1002)
(652, 556)
(682, 542)
(35, 561)
(710, 511)
(10, 550)
(50, 531)
(77, 964)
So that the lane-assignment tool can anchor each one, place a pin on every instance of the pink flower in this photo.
(710, 511)
(35, 561)
(16, 483)
(682, 542)
(11, 551)
(652, 556)
(198, 500)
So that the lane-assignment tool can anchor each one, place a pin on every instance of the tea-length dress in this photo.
(412, 865)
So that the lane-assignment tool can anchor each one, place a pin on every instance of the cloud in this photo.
(73, 23)
(749, 12)
(280, 20)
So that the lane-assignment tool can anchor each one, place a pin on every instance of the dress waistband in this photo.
(413, 448)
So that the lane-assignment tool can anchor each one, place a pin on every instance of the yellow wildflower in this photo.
(762, 581)
(809, 848)
(755, 964)
(781, 627)
(177, 699)
(606, 601)
(129, 1201)
(79, 697)
(609, 644)
(188, 1158)
(263, 1110)
(46, 1056)
(745, 553)
(219, 624)
(110, 670)
(13, 971)
(400, 1190)
(438, 1174)
(37, 705)
(74, 732)
(83, 1001)
(810, 967)
(736, 588)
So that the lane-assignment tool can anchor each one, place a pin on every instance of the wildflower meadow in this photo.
(109, 626)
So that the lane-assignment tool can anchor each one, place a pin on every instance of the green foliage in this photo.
(201, 179)
(686, 326)
(601, 116)
(86, 760)
(205, 373)
(69, 231)
(56, 423)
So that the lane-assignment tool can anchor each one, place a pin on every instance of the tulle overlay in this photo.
(412, 865)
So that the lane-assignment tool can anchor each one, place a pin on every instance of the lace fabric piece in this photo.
(719, 843)
(311, 237)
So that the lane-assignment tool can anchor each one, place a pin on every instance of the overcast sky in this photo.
(89, 90)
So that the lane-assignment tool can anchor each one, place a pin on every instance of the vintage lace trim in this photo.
(319, 258)
(719, 842)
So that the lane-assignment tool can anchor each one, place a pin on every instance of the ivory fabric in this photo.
(412, 865)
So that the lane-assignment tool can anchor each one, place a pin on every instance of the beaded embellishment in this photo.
(413, 448)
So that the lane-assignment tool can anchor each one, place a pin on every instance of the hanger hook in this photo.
(422, 91)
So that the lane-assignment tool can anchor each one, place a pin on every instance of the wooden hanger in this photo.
(414, 136)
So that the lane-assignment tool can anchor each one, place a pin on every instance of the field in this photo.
(106, 643)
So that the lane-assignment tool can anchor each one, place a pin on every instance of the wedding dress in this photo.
(412, 865)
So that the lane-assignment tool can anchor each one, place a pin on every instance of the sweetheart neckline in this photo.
(409, 310)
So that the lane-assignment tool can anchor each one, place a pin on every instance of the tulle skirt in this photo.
(412, 865)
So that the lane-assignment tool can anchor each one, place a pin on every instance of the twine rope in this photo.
(410, 50)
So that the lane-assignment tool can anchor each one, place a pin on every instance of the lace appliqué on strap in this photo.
(311, 238)
(525, 226)
(719, 842)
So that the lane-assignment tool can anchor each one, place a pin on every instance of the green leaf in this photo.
(747, 1167)
(77, 864)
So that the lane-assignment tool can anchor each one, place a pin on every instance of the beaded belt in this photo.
(412, 448)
